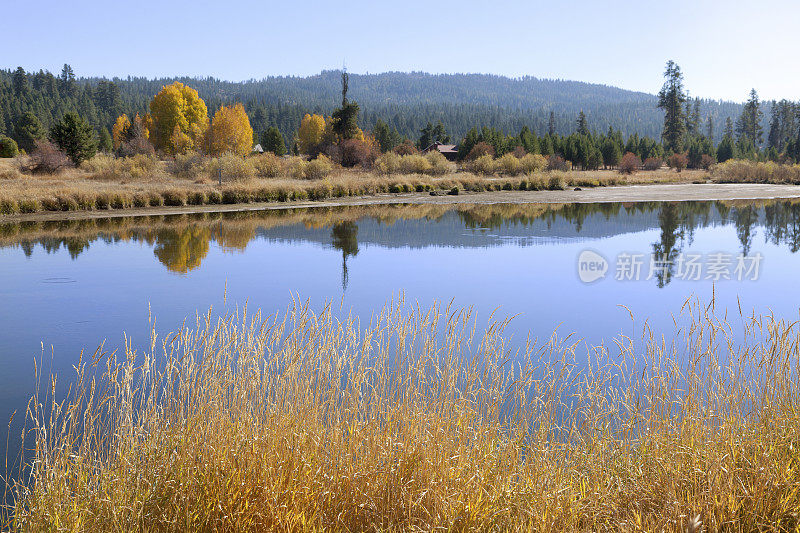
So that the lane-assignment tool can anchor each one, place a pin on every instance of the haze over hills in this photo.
(406, 101)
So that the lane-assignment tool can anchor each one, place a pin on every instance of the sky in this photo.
(724, 48)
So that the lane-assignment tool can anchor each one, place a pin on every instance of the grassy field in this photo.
(299, 422)
(107, 183)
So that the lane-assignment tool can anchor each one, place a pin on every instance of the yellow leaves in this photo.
(118, 130)
(178, 106)
(311, 132)
(230, 131)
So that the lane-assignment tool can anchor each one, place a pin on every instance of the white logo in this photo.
(591, 266)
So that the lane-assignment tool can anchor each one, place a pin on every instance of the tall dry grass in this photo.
(143, 181)
(744, 171)
(301, 421)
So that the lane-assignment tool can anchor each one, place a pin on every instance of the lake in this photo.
(70, 286)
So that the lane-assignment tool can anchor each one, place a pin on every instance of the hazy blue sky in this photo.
(723, 47)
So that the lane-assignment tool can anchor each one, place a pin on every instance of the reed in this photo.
(304, 421)
(106, 182)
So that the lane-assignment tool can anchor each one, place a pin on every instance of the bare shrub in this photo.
(439, 163)
(630, 163)
(415, 164)
(405, 148)
(137, 145)
(678, 161)
(556, 162)
(706, 161)
(653, 163)
(484, 164)
(267, 165)
(188, 165)
(479, 150)
(388, 163)
(533, 163)
(231, 167)
(557, 182)
(46, 158)
(355, 152)
(318, 168)
(509, 164)
(295, 167)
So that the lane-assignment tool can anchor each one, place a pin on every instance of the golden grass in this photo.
(300, 421)
(742, 171)
(141, 182)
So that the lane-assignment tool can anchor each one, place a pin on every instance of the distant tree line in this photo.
(406, 112)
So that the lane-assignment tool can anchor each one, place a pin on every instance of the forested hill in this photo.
(407, 101)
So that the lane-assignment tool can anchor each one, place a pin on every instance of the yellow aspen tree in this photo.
(179, 119)
(230, 131)
(118, 130)
(311, 131)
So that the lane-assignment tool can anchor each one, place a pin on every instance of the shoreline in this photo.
(678, 192)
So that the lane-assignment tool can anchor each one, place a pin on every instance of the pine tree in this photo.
(551, 125)
(75, 137)
(105, 143)
(726, 149)
(582, 127)
(272, 141)
(19, 81)
(748, 127)
(431, 134)
(67, 81)
(468, 143)
(693, 118)
(728, 127)
(28, 130)
(8, 148)
(387, 137)
(671, 99)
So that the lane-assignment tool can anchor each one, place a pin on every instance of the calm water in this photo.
(67, 287)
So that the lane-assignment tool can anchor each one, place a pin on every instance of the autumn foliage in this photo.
(630, 163)
(480, 149)
(678, 161)
(230, 131)
(310, 134)
(118, 130)
(179, 119)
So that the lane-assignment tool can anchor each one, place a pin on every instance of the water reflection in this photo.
(345, 238)
(181, 243)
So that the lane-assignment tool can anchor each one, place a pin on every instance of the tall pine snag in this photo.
(671, 99)
(345, 119)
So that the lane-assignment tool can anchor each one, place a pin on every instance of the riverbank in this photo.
(681, 192)
(106, 185)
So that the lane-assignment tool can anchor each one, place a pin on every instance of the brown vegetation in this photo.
(142, 180)
(299, 422)
(743, 171)
(630, 163)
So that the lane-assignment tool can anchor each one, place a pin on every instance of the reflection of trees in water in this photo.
(182, 242)
(233, 236)
(344, 237)
(182, 250)
(678, 222)
(666, 250)
(782, 224)
(745, 218)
